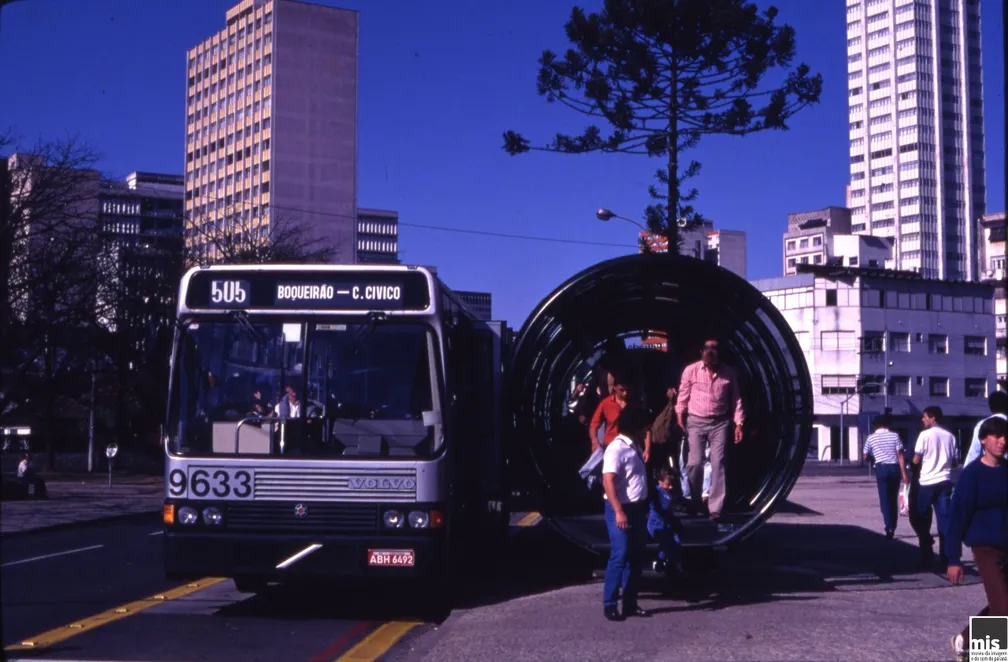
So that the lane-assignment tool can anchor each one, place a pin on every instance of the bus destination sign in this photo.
(360, 290)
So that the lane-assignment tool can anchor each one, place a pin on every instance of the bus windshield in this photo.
(295, 388)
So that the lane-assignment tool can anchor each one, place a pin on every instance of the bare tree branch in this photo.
(237, 237)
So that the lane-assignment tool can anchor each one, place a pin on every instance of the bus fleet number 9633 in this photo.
(211, 483)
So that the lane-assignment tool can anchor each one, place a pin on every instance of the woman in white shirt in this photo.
(625, 481)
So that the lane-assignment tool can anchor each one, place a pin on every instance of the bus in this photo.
(330, 422)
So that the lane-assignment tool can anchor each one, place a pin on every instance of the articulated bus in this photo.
(330, 422)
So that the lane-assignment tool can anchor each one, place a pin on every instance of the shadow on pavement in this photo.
(781, 562)
(792, 508)
(796, 561)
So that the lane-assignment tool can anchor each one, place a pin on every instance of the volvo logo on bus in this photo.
(300, 510)
(382, 483)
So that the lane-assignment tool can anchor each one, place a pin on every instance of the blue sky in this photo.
(440, 81)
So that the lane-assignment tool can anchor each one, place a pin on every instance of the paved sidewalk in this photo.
(80, 499)
(819, 582)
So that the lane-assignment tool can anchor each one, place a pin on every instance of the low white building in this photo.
(876, 339)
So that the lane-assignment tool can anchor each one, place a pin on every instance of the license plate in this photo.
(391, 557)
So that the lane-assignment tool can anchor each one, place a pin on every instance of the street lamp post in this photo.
(858, 390)
(91, 422)
(604, 214)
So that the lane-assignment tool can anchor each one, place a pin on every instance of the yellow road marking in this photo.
(378, 642)
(47, 639)
(529, 520)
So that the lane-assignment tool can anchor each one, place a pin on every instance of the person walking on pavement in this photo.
(935, 453)
(979, 518)
(885, 447)
(625, 482)
(709, 402)
(998, 404)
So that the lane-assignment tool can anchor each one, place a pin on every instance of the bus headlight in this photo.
(393, 519)
(212, 516)
(418, 519)
(187, 515)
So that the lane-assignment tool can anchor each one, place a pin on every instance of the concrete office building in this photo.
(991, 268)
(725, 248)
(141, 223)
(480, 303)
(66, 212)
(271, 125)
(874, 339)
(377, 236)
(823, 237)
(917, 166)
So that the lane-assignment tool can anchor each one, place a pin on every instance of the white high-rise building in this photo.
(917, 168)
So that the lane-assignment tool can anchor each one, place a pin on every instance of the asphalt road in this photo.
(51, 580)
(82, 594)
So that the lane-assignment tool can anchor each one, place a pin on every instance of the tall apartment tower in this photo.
(271, 126)
(917, 167)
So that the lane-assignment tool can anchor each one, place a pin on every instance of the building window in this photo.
(831, 297)
(899, 386)
(939, 387)
(838, 341)
(839, 384)
(899, 342)
(938, 343)
(975, 346)
(976, 387)
(873, 342)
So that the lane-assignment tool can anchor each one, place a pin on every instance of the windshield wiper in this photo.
(241, 318)
(363, 333)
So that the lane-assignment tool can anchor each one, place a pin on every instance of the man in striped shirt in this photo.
(886, 448)
(709, 396)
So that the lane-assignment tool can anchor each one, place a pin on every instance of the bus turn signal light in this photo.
(436, 519)
(168, 514)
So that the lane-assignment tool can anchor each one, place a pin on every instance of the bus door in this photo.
(474, 382)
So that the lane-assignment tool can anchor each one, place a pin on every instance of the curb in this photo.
(109, 519)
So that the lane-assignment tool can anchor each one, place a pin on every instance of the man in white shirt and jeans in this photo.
(935, 455)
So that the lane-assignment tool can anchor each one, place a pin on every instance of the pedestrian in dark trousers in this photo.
(885, 447)
(979, 518)
(935, 454)
(625, 481)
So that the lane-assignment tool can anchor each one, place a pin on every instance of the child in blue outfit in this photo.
(663, 525)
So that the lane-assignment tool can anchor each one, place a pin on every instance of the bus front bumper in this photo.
(279, 557)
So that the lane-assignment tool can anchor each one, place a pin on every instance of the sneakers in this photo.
(958, 646)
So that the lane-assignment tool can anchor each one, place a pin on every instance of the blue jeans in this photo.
(939, 497)
(888, 478)
(626, 555)
(668, 547)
